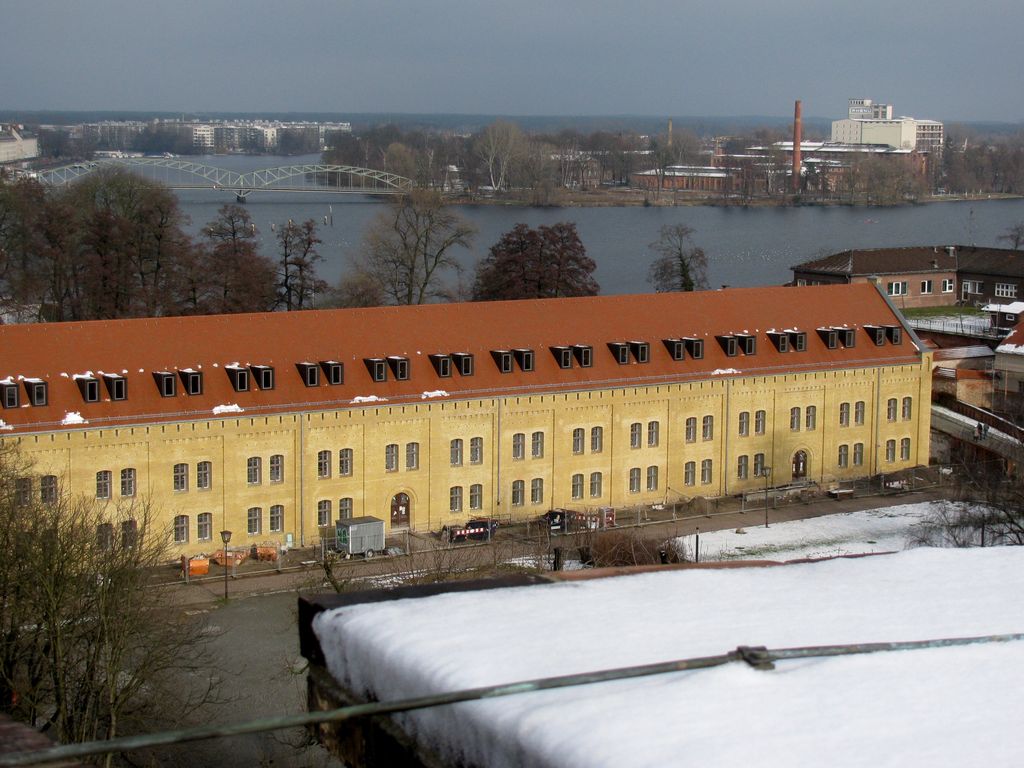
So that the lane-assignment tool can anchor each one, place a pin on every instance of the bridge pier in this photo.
(241, 195)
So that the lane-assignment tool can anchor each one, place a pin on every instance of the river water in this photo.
(745, 246)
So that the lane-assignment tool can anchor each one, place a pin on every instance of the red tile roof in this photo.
(56, 352)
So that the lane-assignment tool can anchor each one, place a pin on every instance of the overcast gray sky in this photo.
(946, 60)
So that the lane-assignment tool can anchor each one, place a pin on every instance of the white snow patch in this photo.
(64, 375)
(723, 371)
(73, 417)
(433, 393)
(10, 380)
(910, 707)
(368, 399)
(229, 408)
(4, 426)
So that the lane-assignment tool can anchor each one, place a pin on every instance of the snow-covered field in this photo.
(889, 529)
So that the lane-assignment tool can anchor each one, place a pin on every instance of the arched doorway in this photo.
(400, 507)
(800, 465)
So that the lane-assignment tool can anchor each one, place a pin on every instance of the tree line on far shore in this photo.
(113, 246)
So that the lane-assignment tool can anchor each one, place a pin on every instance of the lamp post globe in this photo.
(225, 536)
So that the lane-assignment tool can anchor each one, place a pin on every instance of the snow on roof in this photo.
(723, 371)
(229, 408)
(73, 417)
(433, 393)
(1013, 308)
(944, 706)
(368, 399)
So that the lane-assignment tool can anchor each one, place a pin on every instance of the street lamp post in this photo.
(225, 536)
(766, 472)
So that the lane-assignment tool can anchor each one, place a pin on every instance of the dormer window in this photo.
(830, 336)
(191, 382)
(563, 356)
(89, 387)
(442, 365)
(641, 351)
(848, 336)
(780, 340)
(334, 371)
(729, 345)
(621, 351)
(117, 386)
(377, 367)
(695, 347)
(399, 367)
(36, 391)
(9, 395)
(310, 373)
(263, 375)
(463, 363)
(165, 383)
(798, 339)
(503, 359)
(876, 333)
(584, 354)
(525, 359)
(239, 377)
(895, 333)
(676, 348)
(747, 343)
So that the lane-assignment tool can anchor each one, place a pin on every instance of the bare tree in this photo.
(500, 146)
(408, 247)
(297, 283)
(680, 265)
(232, 276)
(1014, 235)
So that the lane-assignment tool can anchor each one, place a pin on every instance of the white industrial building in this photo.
(870, 123)
(14, 147)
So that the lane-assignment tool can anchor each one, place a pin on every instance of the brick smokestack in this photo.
(797, 136)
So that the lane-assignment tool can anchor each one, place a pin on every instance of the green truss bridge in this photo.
(184, 174)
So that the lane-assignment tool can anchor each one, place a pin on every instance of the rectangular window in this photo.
(653, 431)
(104, 480)
(577, 486)
(391, 457)
(858, 413)
(254, 470)
(455, 498)
(204, 526)
(760, 421)
(634, 434)
(908, 408)
(780, 340)
(128, 481)
(277, 468)
(180, 477)
(708, 428)
(1006, 290)
(455, 452)
(476, 496)
(641, 351)
(905, 449)
(690, 473)
(794, 419)
(10, 395)
(652, 478)
(239, 378)
(742, 467)
(310, 374)
(105, 536)
(323, 513)
(744, 429)
(691, 429)
(165, 383)
(849, 336)
(518, 493)
(676, 348)
(584, 355)
(503, 359)
(412, 456)
(525, 359)
(23, 491)
(705, 472)
(537, 445)
(810, 418)
(442, 365)
(129, 533)
(926, 286)
(324, 459)
(90, 388)
(595, 485)
(537, 490)
(254, 521)
(563, 356)
(518, 446)
(345, 462)
(36, 391)
(799, 341)
(729, 345)
(276, 518)
(758, 465)
(192, 382)
(463, 362)
(898, 288)
(890, 409)
(204, 473)
(695, 347)
(858, 454)
(181, 529)
(377, 368)
(890, 450)
(345, 508)
(844, 456)
(577, 440)
(399, 367)
(476, 450)
(621, 352)
(947, 286)
(334, 371)
(596, 439)
(634, 480)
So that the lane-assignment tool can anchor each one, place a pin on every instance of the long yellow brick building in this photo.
(275, 425)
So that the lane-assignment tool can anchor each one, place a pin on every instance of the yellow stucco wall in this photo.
(227, 443)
